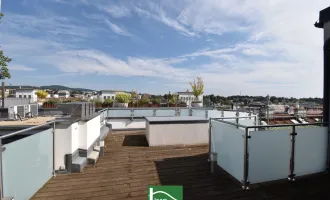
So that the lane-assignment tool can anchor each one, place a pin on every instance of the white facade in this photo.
(189, 97)
(63, 94)
(27, 93)
(107, 94)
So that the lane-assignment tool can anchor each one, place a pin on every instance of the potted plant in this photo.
(107, 103)
(172, 100)
(98, 103)
(143, 102)
(198, 90)
(155, 102)
(122, 99)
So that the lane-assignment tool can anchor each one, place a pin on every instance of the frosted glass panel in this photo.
(143, 113)
(165, 113)
(311, 150)
(27, 165)
(247, 121)
(184, 112)
(269, 155)
(228, 143)
(229, 114)
(199, 113)
(119, 113)
(214, 114)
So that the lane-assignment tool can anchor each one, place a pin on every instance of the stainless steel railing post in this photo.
(54, 174)
(246, 160)
(293, 140)
(237, 116)
(214, 161)
(210, 139)
(255, 122)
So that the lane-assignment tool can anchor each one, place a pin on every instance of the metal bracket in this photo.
(292, 177)
(293, 134)
(249, 136)
(246, 185)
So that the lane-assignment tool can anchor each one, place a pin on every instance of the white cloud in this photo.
(116, 29)
(16, 67)
(116, 11)
(160, 15)
(52, 75)
(55, 26)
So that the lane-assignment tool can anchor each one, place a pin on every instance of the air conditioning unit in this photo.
(18, 112)
(12, 110)
(34, 110)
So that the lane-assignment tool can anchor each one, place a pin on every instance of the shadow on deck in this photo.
(129, 166)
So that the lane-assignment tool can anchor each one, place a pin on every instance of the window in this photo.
(105, 97)
(20, 96)
(24, 96)
(29, 96)
(108, 97)
(113, 97)
(181, 98)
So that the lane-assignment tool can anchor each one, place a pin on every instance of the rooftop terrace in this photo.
(27, 121)
(129, 166)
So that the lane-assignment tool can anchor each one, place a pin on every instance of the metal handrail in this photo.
(287, 125)
(27, 129)
(159, 108)
(215, 118)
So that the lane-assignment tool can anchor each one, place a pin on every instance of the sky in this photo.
(237, 46)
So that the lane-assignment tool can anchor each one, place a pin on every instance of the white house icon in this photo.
(151, 194)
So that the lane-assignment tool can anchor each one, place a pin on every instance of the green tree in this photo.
(197, 87)
(4, 71)
(41, 94)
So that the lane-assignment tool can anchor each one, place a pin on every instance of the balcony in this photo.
(43, 163)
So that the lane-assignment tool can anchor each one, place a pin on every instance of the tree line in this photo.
(216, 99)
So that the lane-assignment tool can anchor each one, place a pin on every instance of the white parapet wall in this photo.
(89, 132)
(140, 123)
(163, 131)
(71, 137)
(66, 142)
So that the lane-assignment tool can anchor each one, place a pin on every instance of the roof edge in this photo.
(323, 18)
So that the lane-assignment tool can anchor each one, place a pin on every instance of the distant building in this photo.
(108, 94)
(63, 94)
(188, 97)
(29, 93)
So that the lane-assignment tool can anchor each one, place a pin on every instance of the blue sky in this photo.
(256, 47)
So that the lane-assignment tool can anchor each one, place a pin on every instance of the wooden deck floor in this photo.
(129, 166)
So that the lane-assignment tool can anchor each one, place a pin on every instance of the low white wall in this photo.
(118, 124)
(89, 131)
(177, 134)
(93, 130)
(75, 137)
(82, 142)
(66, 142)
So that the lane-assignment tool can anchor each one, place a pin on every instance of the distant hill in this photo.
(61, 87)
(51, 87)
